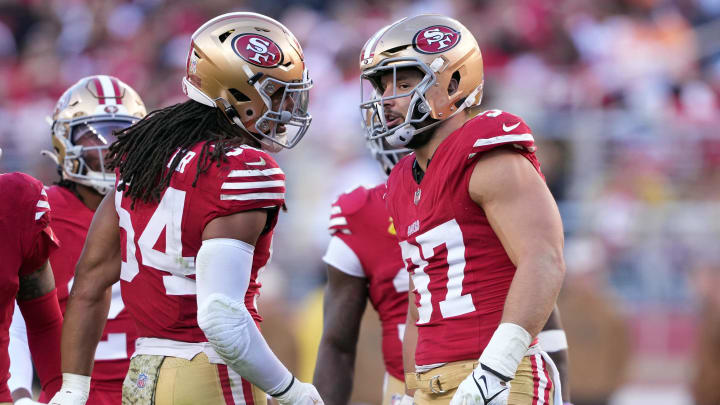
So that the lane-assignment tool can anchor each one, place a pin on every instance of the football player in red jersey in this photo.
(83, 122)
(26, 241)
(360, 228)
(189, 226)
(479, 230)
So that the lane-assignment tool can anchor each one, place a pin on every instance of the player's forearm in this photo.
(410, 338)
(85, 318)
(334, 372)
(408, 347)
(223, 274)
(44, 325)
(533, 291)
(21, 367)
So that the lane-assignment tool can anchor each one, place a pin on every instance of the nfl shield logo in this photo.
(417, 196)
(142, 379)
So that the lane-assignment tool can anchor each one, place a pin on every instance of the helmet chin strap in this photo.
(403, 135)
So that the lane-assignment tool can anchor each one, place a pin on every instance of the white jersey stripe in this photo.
(253, 196)
(251, 173)
(42, 192)
(334, 210)
(504, 139)
(338, 221)
(108, 90)
(253, 184)
(39, 215)
(43, 204)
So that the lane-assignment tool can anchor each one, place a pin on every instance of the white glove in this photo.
(300, 393)
(481, 388)
(74, 391)
(26, 401)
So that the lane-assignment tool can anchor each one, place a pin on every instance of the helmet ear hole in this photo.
(222, 37)
(239, 96)
(454, 84)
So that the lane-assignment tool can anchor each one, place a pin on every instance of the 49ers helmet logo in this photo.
(257, 49)
(436, 39)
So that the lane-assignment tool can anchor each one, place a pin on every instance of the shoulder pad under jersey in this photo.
(493, 128)
(346, 204)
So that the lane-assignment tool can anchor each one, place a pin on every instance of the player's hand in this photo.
(74, 391)
(481, 388)
(300, 393)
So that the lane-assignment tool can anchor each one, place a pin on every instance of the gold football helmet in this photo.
(238, 62)
(441, 49)
(85, 117)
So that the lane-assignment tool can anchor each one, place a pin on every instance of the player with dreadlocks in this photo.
(190, 224)
(141, 150)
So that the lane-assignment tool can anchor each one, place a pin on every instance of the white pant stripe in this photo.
(543, 384)
(236, 386)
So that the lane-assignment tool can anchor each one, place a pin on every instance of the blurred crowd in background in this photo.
(623, 97)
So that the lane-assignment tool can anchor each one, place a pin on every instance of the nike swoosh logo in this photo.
(482, 393)
(260, 162)
(510, 128)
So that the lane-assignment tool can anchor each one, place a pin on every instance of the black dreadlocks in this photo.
(142, 151)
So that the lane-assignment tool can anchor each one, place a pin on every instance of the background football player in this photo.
(26, 241)
(190, 223)
(360, 229)
(83, 123)
(479, 230)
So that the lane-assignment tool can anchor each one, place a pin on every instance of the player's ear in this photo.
(454, 83)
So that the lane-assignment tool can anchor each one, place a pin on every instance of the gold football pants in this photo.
(532, 384)
(192, 382)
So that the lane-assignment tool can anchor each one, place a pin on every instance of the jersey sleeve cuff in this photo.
(343, 258)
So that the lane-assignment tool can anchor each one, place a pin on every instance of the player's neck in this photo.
(89, 197)
(424, 153)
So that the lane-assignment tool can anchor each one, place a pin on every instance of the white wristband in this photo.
(80, 383)
(506, 349)
(552, 341)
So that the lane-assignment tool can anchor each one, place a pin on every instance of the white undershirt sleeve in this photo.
(21, 367)
(343, 258)
(223, 268)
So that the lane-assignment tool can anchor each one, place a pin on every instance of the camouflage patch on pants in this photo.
(139, 385)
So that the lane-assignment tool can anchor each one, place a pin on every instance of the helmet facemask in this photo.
(372, 106)
(86, 142)
(284, 123)
(381, 150)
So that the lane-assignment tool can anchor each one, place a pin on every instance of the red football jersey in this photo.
(26, 241)
(71, 221)
(459, 268)
(360, 219)
(161, 239)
